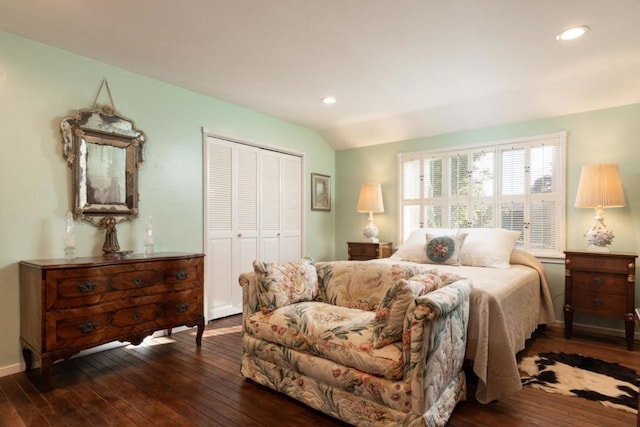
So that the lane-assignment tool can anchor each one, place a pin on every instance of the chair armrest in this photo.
(434, 341)
(249, 293)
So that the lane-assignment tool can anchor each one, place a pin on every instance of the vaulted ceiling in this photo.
(400, 69)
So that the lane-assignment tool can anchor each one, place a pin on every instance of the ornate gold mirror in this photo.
(104, 151)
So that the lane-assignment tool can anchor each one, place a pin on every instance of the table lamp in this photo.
(600, 187)
(370, 201)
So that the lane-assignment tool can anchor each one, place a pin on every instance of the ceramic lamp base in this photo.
(370, 231)
(599, 237)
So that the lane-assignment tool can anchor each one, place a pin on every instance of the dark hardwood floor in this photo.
(168, 382)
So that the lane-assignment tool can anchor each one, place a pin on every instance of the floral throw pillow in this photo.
(280, 284)
(444, 249)
(389, 319)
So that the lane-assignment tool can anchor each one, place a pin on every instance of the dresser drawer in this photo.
(107, 322)
(605, 283)
(183, 308)
(599, 304)
(83, 286)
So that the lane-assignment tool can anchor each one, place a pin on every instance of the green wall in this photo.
(611, 135)
(39, 85)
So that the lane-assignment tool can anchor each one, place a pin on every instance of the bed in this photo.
(509, 300)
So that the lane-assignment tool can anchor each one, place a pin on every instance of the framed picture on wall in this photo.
(320, 192)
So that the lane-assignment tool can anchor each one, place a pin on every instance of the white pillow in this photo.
(488, 247)
(413, 249)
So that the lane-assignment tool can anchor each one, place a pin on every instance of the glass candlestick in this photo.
(148, 237)
(69, 238)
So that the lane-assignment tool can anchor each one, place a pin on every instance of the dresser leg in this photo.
(200, 332)
(28, 358)
(568, 321)
(629, 329)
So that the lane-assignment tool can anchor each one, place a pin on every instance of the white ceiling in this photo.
(400, 69)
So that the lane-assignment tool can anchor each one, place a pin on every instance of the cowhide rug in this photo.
(576, 375)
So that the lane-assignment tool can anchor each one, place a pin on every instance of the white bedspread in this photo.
(507, 305)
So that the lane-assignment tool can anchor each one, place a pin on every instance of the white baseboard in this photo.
(11, 369)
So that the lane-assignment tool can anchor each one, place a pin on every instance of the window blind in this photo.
(516, 184)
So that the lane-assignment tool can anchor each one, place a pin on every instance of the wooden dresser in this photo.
(600, 284)
(362, 251)
(71, 305)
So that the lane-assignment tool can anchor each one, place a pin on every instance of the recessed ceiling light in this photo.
(329, 100)
(572, 33)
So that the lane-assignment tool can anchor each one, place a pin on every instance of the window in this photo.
(516, 184)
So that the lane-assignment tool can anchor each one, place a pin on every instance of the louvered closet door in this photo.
(271, 200)
(232, 223)
(291, 241)
(280, 185)
(253, 212)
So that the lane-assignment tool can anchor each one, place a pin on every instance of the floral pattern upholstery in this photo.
(389, 319)
(284, 283)
(340, 334)
(358, 284)
(322, 353)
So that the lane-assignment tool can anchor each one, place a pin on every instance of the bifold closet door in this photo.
(232, 223)
(253, 212)
(280, 213)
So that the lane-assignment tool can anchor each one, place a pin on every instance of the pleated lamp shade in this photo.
(600, 186)
(370, 199)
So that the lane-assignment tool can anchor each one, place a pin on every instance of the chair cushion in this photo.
(340, 334)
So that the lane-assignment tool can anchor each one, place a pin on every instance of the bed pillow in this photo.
(280, 284)
(444, 249)
(413, 247)
(488, 247)
(389, 319)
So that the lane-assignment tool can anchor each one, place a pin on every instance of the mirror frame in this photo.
(102, 127)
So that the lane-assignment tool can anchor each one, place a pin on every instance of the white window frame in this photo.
(558, 196)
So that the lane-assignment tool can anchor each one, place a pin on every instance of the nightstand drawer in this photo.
(363, 251)
(605, 283)
(598, 263)
(600, 304)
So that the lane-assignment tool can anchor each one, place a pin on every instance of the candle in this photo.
(148, 232)
(69, 239)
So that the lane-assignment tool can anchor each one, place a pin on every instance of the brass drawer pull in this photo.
(181, 275)
(137, 281)
(136, 316)
(597, 302)
(182, 307)
(88, 326)
(87, 286)
(597, 281)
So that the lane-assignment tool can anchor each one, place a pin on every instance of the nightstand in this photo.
(362, 251)
(600, 284)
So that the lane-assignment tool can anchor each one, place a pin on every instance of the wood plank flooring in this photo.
(169, 382)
